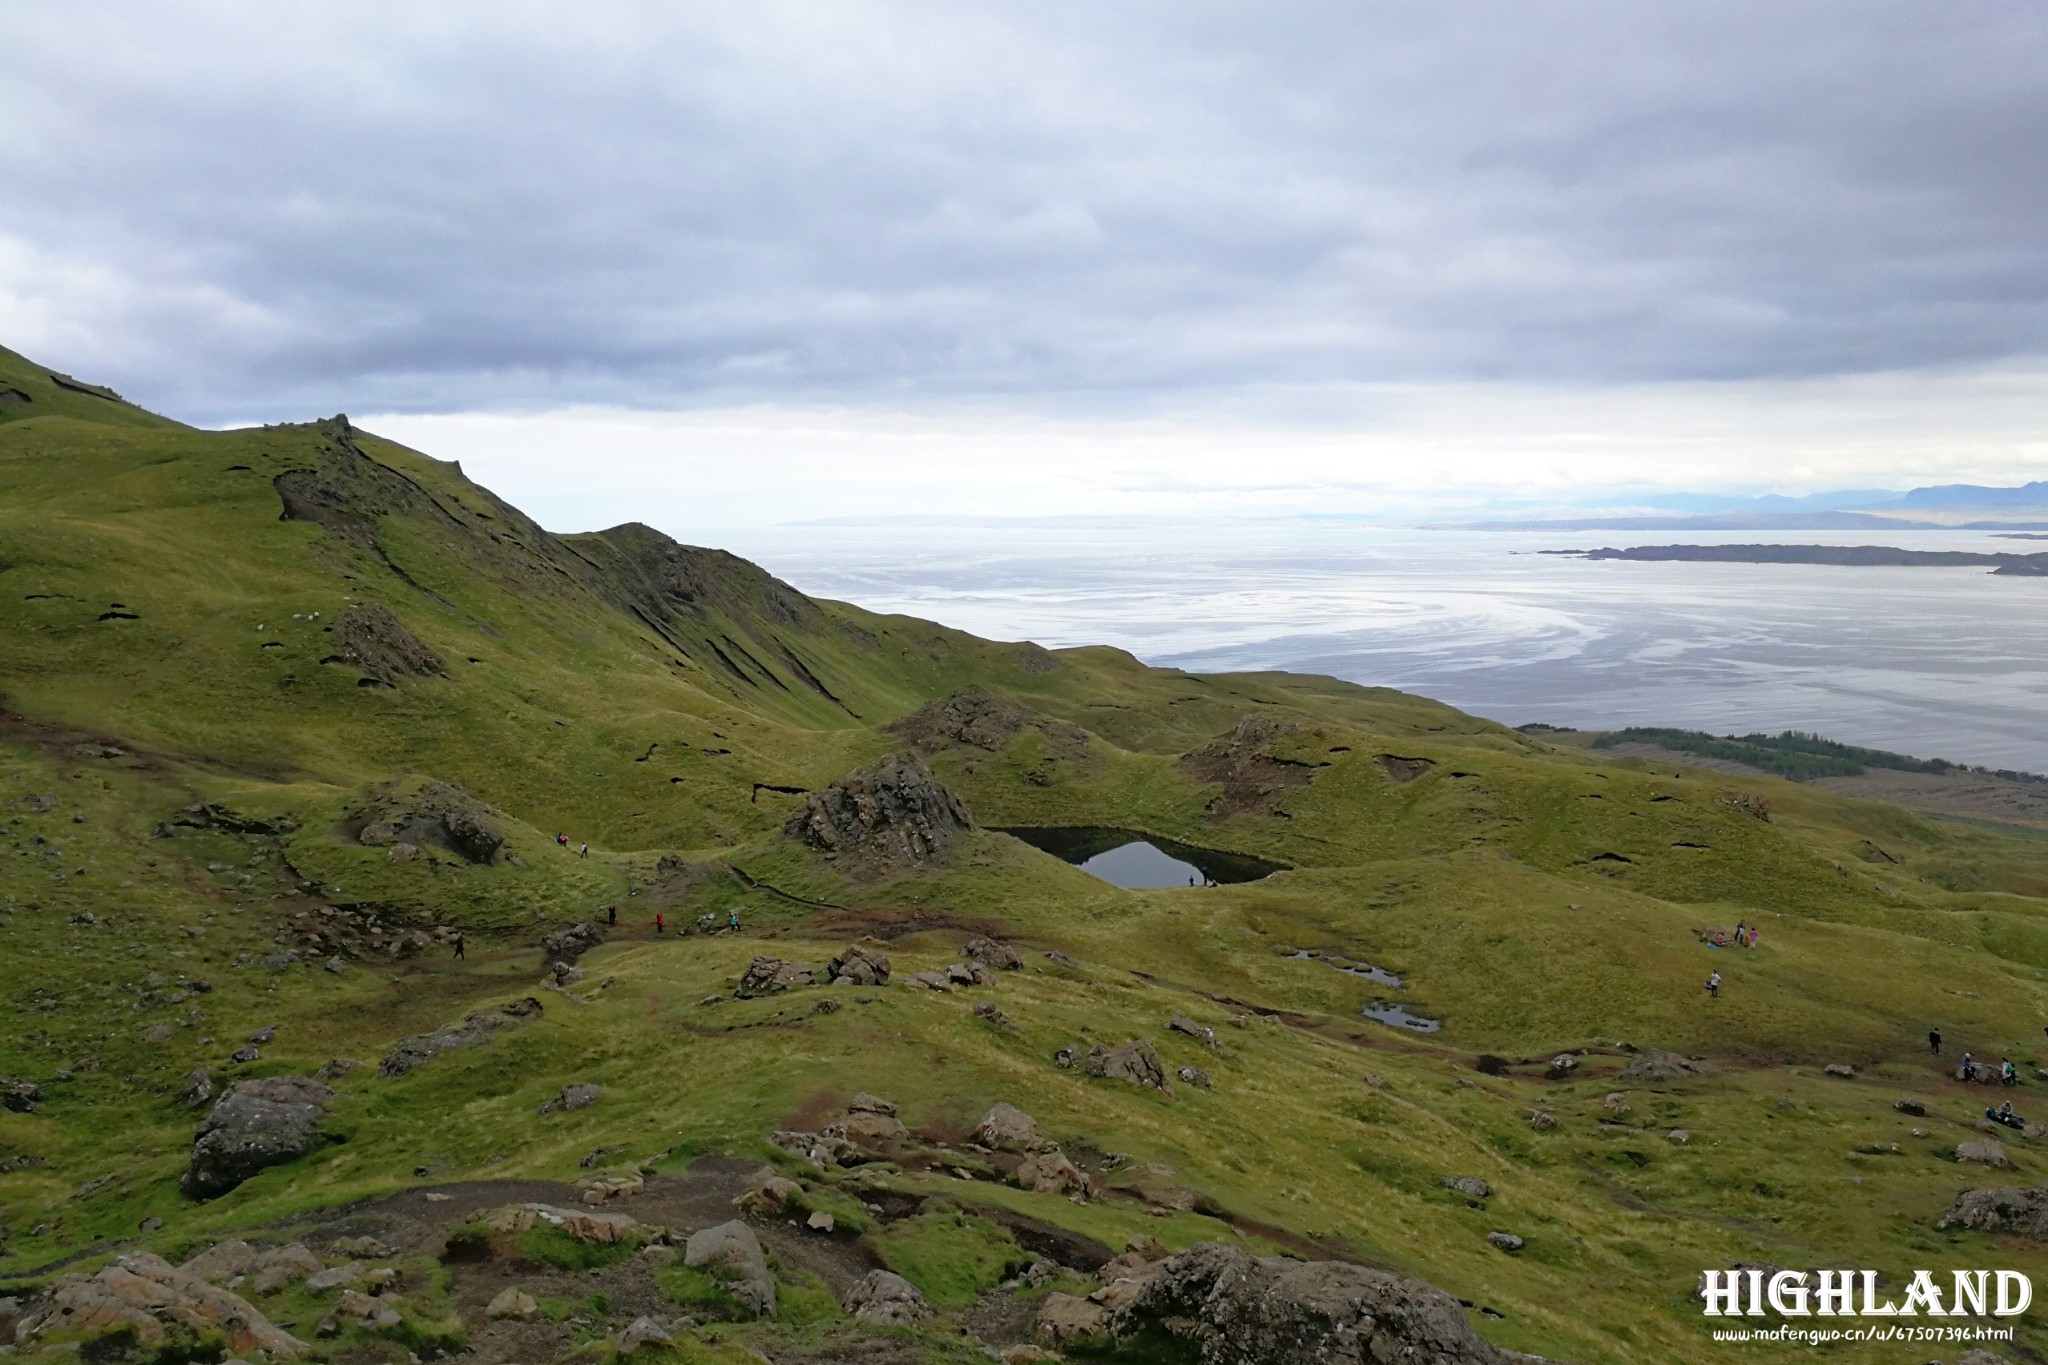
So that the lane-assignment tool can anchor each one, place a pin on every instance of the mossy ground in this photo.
(1534, 896)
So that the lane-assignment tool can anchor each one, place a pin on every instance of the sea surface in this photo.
(1949, 663)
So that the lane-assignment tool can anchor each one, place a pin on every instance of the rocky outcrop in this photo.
(767, 975)
(1219, 1305)
(1253, 776)
(984, 720)
(859, 966)
(1649, 1068)
(891, 815)
(477, 1028)
(435, 813)
(1050, 1172)
(1984, 1152)
(256, 1124)
(569, 943)
(153, 1299)
(373, 639)
(996, 956)
(1136, 1062)
(730, 1252)
(2021, 1212)
(581, 1095)
(882, 1299)
(1006, 1128)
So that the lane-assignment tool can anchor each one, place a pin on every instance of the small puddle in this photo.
(1142, 862)
(1386, 1013)
(1364, 971)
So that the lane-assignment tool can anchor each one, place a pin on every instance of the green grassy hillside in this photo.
(239, 669)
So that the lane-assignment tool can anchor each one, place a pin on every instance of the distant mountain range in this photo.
(1955, 506)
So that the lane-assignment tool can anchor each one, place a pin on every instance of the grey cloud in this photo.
(245, 212)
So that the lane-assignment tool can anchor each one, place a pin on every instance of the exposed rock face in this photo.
(859, 966)
(984, 720)
(730, 1252)
(1984, 1152)
(1062, 1318)
(566, 945)
(1007, 1128)
(882, 1299)
(1403, 769)
(997, 957)
(1136, 1062)
(372, 638)
(1050, 1172)
(1254, 778)
(766, 975)
(891, 814)
(197, 1089)
(476, 1028)
(256, 1124)
(1653, 1066)
(150, 1296)
(2022, 1212)
(1225, 1307)
(436, 813)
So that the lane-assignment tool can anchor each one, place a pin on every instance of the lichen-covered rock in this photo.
(767, 975)
(1050, 1172)
(999, 957)
(730, 1252)
(1226, 1307)
(150, 1297)
(1136, 1062)
(569, 943)
(514, 1303)
(1984, 1152)
(859, 966)
(256, 1124)
(580, 1095)
(882, 1299)
(1063, 1318)
(477, 1028)
(1007, 1128)
(1200, 1032)
(1471, 1186)
(2018, 1211)
(436, 813)
(891, 814)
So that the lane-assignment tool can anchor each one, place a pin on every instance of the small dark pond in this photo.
(1142, 861)
(1364, 971)
(1392, 1014)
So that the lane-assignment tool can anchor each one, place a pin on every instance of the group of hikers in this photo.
(2007, 1073)
(582, 851)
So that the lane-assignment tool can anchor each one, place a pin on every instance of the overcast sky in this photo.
(698, 263)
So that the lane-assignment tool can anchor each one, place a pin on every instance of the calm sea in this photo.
(1935, 662)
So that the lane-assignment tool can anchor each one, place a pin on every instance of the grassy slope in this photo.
(1482, 881)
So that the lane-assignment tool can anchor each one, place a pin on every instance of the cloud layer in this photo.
(245, 210)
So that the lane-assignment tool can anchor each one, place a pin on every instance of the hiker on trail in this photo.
(1714, 984)
(1934, 1041)
(1752, 935)
(1741, 935)
(611, 914)
(1969, 1068)
(460, 947)
(659, 924)
(2008, 1074)
(583, 852)
(733, 921)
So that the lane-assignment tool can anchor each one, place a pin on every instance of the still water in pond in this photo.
(1364, 971)
(1142, 861)
(1387, 1013)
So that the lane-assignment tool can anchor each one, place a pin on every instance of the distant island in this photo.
(1855, 556)
(1960, 506)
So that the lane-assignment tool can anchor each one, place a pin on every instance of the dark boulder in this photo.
(1219, 1305)
(477, 1027)
(256, 1124)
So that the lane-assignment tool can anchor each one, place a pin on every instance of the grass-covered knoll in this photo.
(285, 709)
